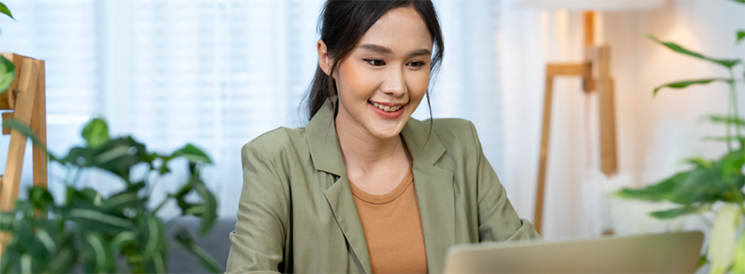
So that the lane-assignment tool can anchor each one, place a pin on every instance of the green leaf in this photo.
(153, 233)
(726, 120)
(157, 264)
(674, 213)
(701, 184)
(62, 261)
(740, 1)
(739, 258)
(122, 239)
(722, 242)
(101, 256)
(4, 9)
(740, 35)
(25, 130)
(729, 63)
(723, 138)
(702, 260)
(96, 133)
(129, 198)
(93, 219)
(192, 154)
(684, 84)
(700, 162)
(209, 207)
(184, 238)
(7, 73)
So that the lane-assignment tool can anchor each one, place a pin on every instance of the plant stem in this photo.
(735, 104)
(728, 137)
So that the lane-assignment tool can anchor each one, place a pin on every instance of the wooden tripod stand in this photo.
(595, 66)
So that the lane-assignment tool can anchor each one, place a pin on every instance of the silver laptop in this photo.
(657, 253)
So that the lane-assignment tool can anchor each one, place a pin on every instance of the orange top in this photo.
(393, 228)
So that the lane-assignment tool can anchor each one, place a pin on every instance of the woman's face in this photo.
(382, 81)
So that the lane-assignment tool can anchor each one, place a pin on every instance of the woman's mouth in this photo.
(387, 111)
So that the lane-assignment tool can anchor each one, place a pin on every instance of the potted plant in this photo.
(710, 185)
(93, 233)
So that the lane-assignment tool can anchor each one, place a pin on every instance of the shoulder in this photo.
(450, 131)
(275, 143)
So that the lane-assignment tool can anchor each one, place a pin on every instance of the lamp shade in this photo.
(596, 5)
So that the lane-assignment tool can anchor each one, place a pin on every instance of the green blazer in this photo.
(297, 214)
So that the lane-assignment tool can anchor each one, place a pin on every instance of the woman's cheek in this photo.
(419, 86)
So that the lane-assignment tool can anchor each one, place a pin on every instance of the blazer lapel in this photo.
(435, 193)
(339, 196)
(326, 156)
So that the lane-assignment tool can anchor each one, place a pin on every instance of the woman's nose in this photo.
(395, 84)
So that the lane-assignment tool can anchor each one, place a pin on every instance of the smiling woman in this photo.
(364, 187)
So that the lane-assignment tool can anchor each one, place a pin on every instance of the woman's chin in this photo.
(387, 131)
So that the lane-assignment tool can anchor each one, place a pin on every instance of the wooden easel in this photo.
(596, 65)
(27, 98)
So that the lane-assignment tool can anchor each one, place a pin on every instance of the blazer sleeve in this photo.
(259, 236)
(498, 220)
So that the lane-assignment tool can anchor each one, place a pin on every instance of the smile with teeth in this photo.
(386, 108)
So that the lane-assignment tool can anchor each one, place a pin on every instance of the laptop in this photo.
(655, 253)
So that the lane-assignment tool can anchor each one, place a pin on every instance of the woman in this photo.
(363, 188)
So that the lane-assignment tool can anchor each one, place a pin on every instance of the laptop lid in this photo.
(656, 253)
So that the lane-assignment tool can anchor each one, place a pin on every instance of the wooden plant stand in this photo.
(595, 66)
(26, 97)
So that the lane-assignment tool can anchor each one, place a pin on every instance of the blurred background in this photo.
(218, 73)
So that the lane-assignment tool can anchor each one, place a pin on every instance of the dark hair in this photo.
(343, 23)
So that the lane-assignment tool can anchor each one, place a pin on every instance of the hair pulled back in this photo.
(343, 23)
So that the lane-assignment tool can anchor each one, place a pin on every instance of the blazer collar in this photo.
(325, 150)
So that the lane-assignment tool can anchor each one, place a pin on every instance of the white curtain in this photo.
(217, 73)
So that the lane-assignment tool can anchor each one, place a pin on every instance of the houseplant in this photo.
(710, 185)
(92, 233)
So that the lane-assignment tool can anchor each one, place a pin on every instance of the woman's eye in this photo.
(375, 62)
(417, 64)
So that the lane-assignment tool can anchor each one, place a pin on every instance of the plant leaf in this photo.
(96, 133)
(4, 9)
(722, 242)
(726, 120)
(153, 233)
(192, 154)
(740, 1)
(102, 257)
(740, 35)
(686, 83)
(7, 73)
(209, 207)
(701, 184)
(739, 258)
(702, 260)
(729, 63)
(722, 138)
(26, 131)
(184, 238)
(674, 213)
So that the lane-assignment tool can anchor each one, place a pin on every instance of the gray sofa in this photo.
(216, 243)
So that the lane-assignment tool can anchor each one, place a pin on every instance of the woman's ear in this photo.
(323, 57)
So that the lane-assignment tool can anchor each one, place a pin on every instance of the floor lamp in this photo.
(596, 77)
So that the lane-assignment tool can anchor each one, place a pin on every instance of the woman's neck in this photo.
(364, 152)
